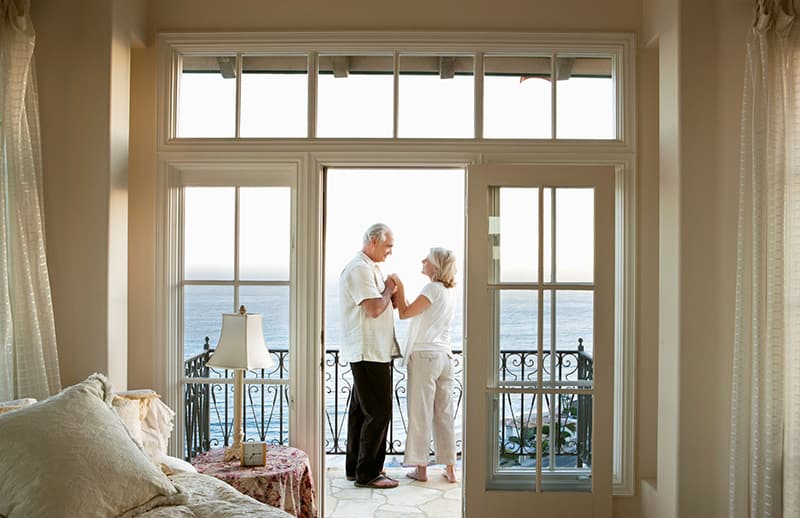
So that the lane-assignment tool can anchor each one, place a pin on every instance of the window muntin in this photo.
(436, 98)
(274, 96)
(355, 96)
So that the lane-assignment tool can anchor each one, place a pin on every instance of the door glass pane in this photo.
(567, 442)
(436, 97)
(355, 96)
(265, 233)
(203, 307)
(209, 217)
(207, 97)
(574, 317)
(514, 235)
(574, 320)
(516, 441)
(585, 98)
(274, 96)
(575, 235)
(517, 97)
(273, 304)
(518, 315)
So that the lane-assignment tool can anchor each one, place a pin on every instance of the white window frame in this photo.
(311, 156)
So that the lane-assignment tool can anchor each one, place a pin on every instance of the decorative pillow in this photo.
(70, 455)
(8, 406)
(156, 429)
(171, 465)
(143, 396)
(153, 430)
(128, 411)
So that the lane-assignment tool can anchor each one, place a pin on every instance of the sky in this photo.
(425, 208)
(275, 105)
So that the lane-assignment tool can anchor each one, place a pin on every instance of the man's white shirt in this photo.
(365, 338)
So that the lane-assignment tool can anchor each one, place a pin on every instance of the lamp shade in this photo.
(241, 343)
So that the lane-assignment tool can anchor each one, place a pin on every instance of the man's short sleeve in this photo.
(361, 284)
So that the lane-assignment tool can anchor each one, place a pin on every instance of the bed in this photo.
(89, 452)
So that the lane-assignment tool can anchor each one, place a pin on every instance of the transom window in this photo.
(381, 94)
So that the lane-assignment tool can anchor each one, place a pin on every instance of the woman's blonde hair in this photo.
(444, 264)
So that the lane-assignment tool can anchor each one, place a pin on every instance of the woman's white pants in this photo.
(430, 408)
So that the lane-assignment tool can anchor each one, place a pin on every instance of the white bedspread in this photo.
(212, 498)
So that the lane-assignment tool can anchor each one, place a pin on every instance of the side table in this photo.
(284, 482)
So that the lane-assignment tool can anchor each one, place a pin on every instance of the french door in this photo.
(539, 340)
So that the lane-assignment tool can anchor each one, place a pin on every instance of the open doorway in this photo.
(424, 208)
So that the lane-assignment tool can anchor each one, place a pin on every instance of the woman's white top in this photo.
(430, 330)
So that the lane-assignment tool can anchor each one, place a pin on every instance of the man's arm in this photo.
(375, 307)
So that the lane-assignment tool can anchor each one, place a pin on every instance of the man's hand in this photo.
(391, 284)
(396, 279)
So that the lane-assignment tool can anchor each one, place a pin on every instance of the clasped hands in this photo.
(394, 283)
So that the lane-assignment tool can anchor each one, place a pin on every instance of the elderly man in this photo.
(369, 342)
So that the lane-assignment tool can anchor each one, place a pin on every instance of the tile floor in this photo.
(436, 498)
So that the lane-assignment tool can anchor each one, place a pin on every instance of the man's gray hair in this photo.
(377, 231)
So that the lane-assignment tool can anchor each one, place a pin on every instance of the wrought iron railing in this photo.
(208, 411)
(585, 372)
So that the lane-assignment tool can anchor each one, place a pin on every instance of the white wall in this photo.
(701, 60)
(82, 68)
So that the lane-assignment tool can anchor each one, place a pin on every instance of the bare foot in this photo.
(420, 474)
(450, 474)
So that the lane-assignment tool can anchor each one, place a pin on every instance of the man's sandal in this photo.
(380, 482)
(352, 478)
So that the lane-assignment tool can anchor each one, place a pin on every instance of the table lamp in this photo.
(241, 346)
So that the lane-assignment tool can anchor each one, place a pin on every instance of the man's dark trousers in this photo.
(369, 417)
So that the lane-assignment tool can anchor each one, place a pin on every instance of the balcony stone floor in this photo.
(436, 498)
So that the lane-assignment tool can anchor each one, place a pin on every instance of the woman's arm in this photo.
(406, 310)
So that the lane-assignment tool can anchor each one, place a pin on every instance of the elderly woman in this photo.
(430, 365)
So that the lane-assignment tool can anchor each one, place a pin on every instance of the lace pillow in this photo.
(129, 411)
(155, 423)
(8, 406)
(70, 455)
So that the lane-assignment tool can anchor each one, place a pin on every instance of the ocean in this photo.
(204, 305)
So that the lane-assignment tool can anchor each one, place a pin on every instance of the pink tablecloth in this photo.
(284, 482)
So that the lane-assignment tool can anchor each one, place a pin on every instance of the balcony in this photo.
(208, 411)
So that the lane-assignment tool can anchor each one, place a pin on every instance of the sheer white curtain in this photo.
(765, 420)
(28, 358)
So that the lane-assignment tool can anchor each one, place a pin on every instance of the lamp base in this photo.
(233, 452)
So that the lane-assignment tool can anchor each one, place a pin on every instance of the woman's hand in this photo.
(396, 278)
